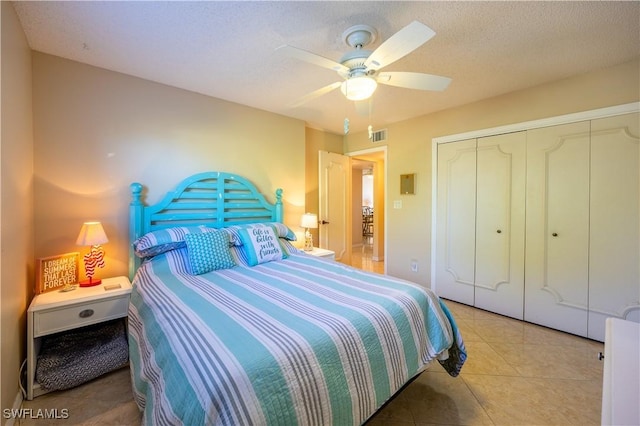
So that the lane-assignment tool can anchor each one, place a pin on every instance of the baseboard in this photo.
(17, 404)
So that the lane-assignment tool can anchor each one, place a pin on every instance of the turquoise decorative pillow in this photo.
(208, 252)
(260, 245)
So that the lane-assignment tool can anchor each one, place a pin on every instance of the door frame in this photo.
(364, 152)
(510, 128)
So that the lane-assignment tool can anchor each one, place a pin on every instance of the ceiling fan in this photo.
(360, 68)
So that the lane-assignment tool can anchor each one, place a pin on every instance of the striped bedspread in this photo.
(299, 341)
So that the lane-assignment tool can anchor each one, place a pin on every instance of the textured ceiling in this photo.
(227, 49)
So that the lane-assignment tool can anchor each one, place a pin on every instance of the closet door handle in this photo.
(499, 231)
(555, 234)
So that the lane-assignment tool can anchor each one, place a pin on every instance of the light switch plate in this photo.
(397, 204)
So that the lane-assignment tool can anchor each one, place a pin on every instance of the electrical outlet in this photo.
(414, 265)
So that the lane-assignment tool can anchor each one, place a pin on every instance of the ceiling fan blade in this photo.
(399, 45)
(414, 80)
(312, 58)
(315, 94)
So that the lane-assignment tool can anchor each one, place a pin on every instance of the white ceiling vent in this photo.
(378, 135)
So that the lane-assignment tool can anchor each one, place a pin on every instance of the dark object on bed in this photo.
(71, 358)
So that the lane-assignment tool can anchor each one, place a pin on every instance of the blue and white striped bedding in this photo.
(303, 340)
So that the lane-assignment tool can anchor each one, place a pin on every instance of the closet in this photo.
(543, 224)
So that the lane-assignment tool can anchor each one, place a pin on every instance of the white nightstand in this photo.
(57, 311)
(320, 252)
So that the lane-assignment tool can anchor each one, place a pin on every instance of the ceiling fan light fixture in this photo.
(358, 88)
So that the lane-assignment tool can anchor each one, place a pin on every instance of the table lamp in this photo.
(92, 234)
(309, 220)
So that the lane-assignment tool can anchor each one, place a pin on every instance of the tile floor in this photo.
(516, 374)
(107, 400)
(361, 257)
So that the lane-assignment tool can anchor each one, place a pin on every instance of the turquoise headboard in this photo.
(215, 199)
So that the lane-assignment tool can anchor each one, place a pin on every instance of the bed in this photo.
(230, 324)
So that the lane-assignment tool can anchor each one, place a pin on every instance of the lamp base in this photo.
(308, 241)
(90, 282)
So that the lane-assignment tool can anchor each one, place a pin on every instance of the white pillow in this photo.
(261, 245)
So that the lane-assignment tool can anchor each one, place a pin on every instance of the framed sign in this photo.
(407, 184)
(56, 272)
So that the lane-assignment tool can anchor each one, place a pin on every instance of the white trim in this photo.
(434, 210)
(544, 122)
(509, 128)
(382, 148)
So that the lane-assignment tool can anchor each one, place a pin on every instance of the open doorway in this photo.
(368, 189)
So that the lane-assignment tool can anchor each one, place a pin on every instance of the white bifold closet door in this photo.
(500, 224)
(557, 249)
(480, 217)
(614, 240)
(456, 221)
(583, 225)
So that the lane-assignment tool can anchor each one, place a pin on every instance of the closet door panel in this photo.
(557, 227)
(501, 165)
(614, 264)
(455, 233)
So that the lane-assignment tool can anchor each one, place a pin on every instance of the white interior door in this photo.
(455, 219)
(500, 234)
(614, 255)
(334, 183)
(557, 227)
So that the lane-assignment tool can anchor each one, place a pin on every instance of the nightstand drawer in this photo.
(69, 317)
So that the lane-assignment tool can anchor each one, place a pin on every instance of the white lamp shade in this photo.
(91, 234)
(309, 220)
(358, 88)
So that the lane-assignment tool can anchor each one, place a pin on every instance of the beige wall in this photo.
(96, 131)
(16, 200)
(315, 141)
(409, 149)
